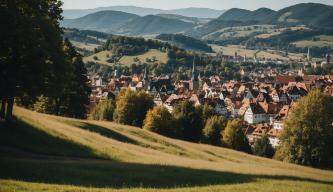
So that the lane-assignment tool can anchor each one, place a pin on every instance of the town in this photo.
(262, 103)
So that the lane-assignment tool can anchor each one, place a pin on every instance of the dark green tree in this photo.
(75, 97)
(263, 148)
(212, 131)
(234, 137)
(32, 60)
(189, 121)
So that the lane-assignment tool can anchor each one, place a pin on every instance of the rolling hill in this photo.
(48, 153)
(309, 14)
(185, 42)
(142, 11)
(105, 21)
(246, 15)
(152, 24)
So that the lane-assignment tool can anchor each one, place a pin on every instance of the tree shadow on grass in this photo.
(21, 136)
(103, 173)
(89, 172)
(103, 131)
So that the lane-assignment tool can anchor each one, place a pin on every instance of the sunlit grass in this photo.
(48, 153)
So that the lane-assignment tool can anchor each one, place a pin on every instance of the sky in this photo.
(175, 4)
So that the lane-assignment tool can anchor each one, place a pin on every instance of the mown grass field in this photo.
(102, 58)
(47, 153)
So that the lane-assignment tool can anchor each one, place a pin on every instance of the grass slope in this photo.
(48, 153)
(161, 58)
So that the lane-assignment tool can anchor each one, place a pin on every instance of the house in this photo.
(255, 114)
(259, 130)
(273, 137)
(220, 107)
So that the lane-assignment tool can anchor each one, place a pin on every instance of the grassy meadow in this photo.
(161, 58)
(48, 153)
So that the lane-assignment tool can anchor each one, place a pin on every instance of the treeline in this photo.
(38, 68)
(122, 45)
(195, 124)
(185, 42)
(86, 36)
(306, 138)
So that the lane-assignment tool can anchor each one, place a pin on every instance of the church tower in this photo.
(145, 81)
(194, 83)
(308, 57)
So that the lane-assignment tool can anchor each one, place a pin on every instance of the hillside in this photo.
(309, 14)
(185, 42)
(105, 21)
(193, 20)
(153, 24)
(49, 153)
(142, 11)
(246, 15)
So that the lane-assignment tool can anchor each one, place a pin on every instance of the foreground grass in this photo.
(47, 153)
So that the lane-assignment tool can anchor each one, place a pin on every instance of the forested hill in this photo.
(153, 24)
(185, 42)
(105, 21)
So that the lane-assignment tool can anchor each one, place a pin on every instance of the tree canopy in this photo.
(189, 121)
(33, 58)
(213, 129)
(132, 106)
(103, 111)
(308, 131)
(234, 137)
(160, 121)
(262, 147)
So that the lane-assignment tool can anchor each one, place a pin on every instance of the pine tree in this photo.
(308, 132)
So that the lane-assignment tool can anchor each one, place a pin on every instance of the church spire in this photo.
(308, 55)
(145, 75)
(193, 69)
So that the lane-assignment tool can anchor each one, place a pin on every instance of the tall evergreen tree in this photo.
(75, 98)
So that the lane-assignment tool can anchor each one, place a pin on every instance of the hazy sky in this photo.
(173, 4)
